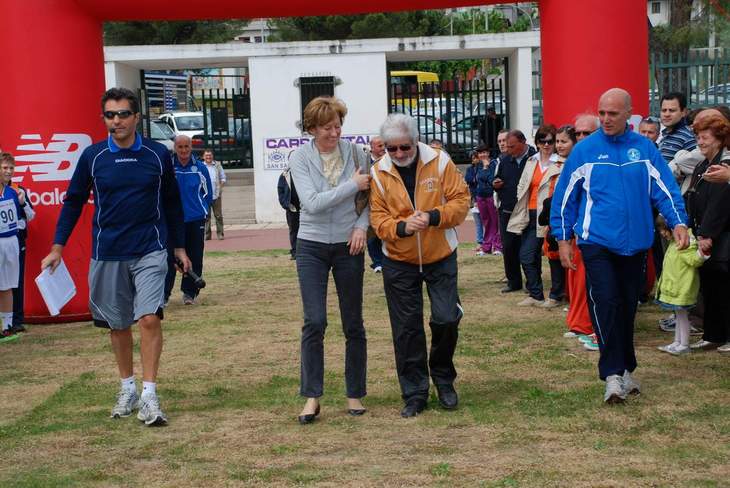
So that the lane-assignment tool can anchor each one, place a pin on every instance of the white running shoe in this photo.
(724, 349)
(150, 412)
(668, 347)
(127, 402)
(678, 350)
(530, 302)
(631, 386)
(703, 344)
(614, 390)
(378, 269)
(570, 334)
(550, 303)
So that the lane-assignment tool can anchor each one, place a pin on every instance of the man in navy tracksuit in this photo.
(196, 194)
(605, 196)
(136, 213)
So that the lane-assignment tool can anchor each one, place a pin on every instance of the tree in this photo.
(178, 32)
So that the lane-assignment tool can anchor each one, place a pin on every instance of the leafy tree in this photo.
(178, 32)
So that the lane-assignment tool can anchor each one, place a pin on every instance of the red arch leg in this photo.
(52, 78)
(590, 46)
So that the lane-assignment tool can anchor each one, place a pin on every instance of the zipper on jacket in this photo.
(413, 205)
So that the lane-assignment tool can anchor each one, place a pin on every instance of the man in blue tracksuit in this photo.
(196, 194)
(604, 197)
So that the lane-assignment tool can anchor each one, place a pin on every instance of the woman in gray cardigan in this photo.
(332, 234)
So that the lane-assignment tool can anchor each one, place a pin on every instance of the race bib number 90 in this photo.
(8, 216)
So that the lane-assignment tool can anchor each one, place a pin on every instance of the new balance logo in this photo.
(53, 162)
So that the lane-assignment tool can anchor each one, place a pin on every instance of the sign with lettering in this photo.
(277, 150)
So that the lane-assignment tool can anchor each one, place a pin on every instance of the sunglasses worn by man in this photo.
(403, 147)
(122, 114)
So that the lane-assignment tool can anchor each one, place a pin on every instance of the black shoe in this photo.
(356, 412)
(309, 418)
(509, 289)
(448, 398)
(413, 408)
(18, 328)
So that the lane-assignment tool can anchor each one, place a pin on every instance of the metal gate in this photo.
(460, 114)
(226, 118)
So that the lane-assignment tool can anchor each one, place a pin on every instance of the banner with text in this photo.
(277, 150)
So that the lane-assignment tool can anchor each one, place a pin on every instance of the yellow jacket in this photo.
(439, 185)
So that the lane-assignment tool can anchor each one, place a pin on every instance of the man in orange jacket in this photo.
(417, 198)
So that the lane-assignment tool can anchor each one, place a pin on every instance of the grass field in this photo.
(530, 415)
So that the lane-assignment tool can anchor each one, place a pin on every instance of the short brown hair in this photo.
(718, 126)
(544, 131)
(323, 110)
(7, 158)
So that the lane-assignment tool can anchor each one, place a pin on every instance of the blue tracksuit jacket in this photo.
(606, 191)
(196, 189)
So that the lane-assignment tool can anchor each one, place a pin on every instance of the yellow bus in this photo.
(407, 85)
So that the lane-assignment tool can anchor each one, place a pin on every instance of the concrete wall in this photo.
(520, 90)
(275, 107)
(122, 75)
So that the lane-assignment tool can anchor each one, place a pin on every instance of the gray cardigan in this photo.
(327, 214)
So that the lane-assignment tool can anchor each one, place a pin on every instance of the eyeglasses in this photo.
(584, 133)
(122, 114)
(403, 147)
(549, 142)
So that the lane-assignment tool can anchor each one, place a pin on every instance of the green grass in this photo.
(530, 414)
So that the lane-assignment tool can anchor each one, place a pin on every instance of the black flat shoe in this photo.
(448, 399)
(309, 418)
(413, 408)
(356, 412)
(509, 289)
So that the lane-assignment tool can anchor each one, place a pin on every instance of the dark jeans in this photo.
(557, 279)
(614, 283)
(18, 293)
(404, 292)
(531, 258)
(292, 220)
(716, 291)
(510, 252)
(314, 262)
(194, 247)
(375, 250)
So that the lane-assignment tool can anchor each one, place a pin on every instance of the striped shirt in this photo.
(675, 138)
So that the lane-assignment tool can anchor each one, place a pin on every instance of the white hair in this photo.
(398, 126)
(182, 137)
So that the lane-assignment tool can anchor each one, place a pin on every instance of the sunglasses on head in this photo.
(122, 114)
(402, 147)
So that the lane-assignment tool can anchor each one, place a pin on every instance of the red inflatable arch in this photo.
(52, 75)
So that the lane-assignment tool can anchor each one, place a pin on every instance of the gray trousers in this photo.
(216, 209)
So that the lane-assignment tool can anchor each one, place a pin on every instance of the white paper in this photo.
(57, 289)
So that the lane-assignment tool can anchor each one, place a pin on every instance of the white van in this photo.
(184, 123)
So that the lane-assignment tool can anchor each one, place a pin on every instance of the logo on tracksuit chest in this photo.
(633, 154)
(429, 185)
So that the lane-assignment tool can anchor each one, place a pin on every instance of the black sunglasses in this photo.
(122, 114)
(546, 141)
(403, 147)
(583, 133)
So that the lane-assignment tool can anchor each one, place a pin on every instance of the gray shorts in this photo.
(121, 292)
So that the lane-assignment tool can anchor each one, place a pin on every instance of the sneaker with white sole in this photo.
(530, 302)
(703, 344)
(591, 346)
(570, 334)
(668, 347)
(614, 390)
(377, 269)
(588, 338)
(668, 325)
(150, 412)
(631, 386)
(496, 253)
(724, 349)
(678, 350)
(550, 303)
(127, 402)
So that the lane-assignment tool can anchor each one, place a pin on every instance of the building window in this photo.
(315, 86)
(656, 7)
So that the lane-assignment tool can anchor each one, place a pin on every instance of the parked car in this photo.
(231, 145)
(184, 123)
(161, 132)
(457, 143)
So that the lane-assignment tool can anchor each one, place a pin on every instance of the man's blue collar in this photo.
(135, 147)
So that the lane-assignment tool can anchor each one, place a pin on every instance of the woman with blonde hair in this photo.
(329, 174)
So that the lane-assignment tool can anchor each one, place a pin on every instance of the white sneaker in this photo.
(481, 253)
(724, 349)
(678, 350)
(378, 269)
(668, 347)
(530, 302)
(631, 386)
(614, 390)
(127, 402)
(496, 253)
(550, 303)
(570, 334)
(150, 412)
(703, 344)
